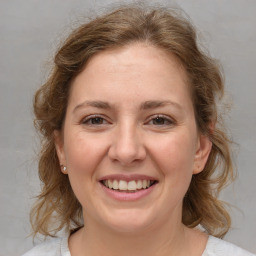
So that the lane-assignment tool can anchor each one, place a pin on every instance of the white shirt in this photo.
(214, 247)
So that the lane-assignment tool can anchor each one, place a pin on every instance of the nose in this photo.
(127, 146)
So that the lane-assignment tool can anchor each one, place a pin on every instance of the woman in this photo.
(133, 151)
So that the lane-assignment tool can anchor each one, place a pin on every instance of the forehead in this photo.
(134, 54)
(139, 68)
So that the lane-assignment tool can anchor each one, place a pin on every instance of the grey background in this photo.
(30, 31)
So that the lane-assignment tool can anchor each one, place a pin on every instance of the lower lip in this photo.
(124, 196)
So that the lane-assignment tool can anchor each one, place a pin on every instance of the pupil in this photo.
(97, 120)
(159, 120)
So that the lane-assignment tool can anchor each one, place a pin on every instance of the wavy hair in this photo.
(56, 206)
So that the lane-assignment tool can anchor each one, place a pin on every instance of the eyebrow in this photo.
(95, 104)
(145, 105)
(157, 103)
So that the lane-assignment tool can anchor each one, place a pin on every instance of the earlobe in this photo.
(58, 140)
(202, 153)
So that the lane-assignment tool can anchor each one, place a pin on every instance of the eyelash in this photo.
(89, 120)
(164, 118)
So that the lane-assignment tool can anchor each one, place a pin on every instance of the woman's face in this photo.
(130, 141)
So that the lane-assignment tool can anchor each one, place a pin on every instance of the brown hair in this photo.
(57, 206)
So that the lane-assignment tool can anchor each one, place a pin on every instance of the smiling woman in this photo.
(130, 142)
(133, 152)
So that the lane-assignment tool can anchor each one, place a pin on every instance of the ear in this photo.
(203, 150)
(59, 146)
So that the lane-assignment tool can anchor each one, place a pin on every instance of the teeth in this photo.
(144, 183)
(130, 186)
(123, 185)
(115, 184)
(139, 184)
(110, 184)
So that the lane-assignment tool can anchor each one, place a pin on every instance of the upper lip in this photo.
(127, 177)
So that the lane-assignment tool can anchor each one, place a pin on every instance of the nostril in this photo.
(127, 154)
(126, 145)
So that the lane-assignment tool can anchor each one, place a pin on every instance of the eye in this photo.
(161, 120)
(94, 120)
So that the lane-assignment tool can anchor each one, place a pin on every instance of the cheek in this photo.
(83, 152)
(174, 156)
(174, 159)
(83, 155)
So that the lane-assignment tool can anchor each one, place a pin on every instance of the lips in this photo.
(128, 184)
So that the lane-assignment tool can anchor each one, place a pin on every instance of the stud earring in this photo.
(64, 169)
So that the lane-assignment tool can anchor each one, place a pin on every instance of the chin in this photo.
(129, 221)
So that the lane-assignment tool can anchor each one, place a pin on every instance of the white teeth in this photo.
(130, 186)
(123, 185)
(115, 184)
(139, 184)
(110, 184)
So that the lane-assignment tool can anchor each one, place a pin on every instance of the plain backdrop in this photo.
(30, 31)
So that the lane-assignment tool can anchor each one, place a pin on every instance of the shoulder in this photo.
(218, 247)
(54, 247)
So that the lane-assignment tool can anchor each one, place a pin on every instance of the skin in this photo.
(130, 137)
